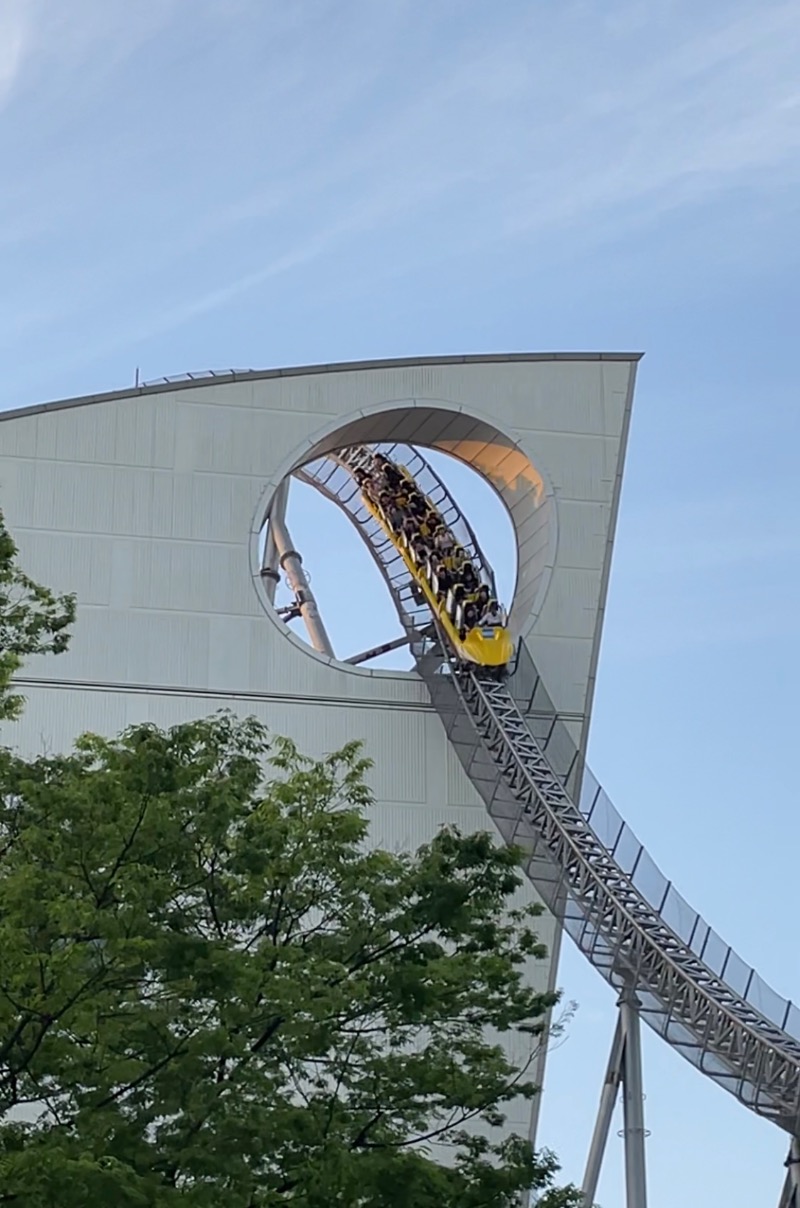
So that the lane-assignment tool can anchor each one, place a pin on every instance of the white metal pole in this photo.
(605, 1114)
(633, 1104)
(292, 563)
(270, 561)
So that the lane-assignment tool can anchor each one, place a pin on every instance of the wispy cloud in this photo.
(657, 117)
(167, 134)
(58, 68)
(13, 32)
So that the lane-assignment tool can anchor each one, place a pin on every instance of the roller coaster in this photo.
(667, 964)
(236, 439)
(460, 607)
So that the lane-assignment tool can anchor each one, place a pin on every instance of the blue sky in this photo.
(211, 183)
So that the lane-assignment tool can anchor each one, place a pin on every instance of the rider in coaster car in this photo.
(426, 526)
(367, 484)
(493, 614)
(482, 598)
(391, 475)
(419, 548)
(397, 516)
(469, 619)
(444, 539)
(377, 476)
(469, 578)
(454, 560)
(444, 578)
(409, 527)
(470, 616)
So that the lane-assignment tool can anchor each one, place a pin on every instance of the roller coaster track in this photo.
(584, 860)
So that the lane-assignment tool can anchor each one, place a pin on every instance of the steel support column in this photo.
(624, 1070)
(605, 1113)
(633, 1104)
(292, 564)
(790, 1196)
(270, 561)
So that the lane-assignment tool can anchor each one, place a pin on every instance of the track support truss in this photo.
(670, 967)
(624, 1072)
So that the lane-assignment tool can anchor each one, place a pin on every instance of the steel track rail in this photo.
(763, 1063)
(515, 750)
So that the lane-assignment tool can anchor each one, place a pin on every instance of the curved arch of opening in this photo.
(477, 442)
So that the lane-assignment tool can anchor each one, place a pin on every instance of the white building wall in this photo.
(143, 504)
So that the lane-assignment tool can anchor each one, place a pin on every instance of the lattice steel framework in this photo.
(589, 867)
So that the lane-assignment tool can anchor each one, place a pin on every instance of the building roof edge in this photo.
(222, 377)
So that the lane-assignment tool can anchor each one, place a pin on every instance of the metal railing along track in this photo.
(585, 862)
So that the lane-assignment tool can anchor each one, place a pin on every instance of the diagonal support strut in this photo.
(624, 1072)
(279, 542)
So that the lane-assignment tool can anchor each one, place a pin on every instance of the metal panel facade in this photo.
(145, 505)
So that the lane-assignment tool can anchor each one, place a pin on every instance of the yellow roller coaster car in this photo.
(488, 646)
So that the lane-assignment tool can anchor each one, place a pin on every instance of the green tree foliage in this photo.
(212, 992)
(33, 620)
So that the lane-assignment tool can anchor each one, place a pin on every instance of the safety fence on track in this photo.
(612, 899)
